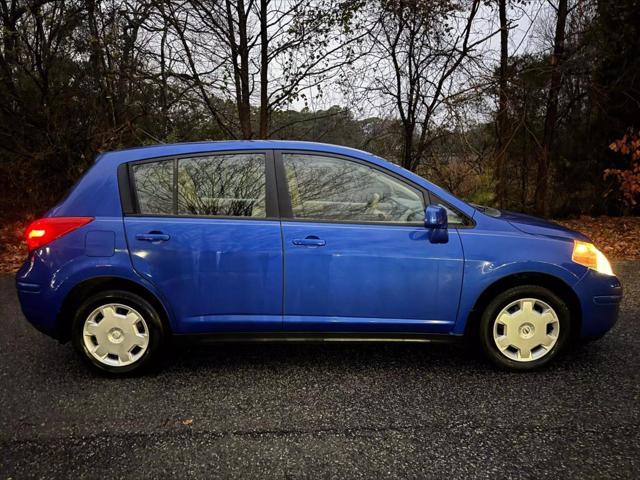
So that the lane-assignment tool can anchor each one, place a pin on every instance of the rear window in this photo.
(222, 185)
(227, 185)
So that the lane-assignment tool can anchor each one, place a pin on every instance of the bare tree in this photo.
(267, 52)
(418, 50)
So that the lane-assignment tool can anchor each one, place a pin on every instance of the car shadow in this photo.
(326, 355)
(314, 359)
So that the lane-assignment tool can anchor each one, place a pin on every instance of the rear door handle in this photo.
(310, 241)
(152, 237)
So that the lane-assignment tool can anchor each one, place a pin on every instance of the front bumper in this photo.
(600, 297)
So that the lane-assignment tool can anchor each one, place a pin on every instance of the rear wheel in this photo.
(524, 327)
(117, 332)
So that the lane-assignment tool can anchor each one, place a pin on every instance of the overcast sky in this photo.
(529, 33)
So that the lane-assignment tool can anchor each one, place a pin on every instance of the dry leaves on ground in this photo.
(13, 250)
(617, 237)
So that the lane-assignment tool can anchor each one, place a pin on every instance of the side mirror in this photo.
(435, 216)
(435, 219)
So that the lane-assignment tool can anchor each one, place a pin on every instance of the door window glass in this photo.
(231, 185)
(328, 188)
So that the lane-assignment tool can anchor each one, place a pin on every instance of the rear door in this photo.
(206, 233)
(357, 254)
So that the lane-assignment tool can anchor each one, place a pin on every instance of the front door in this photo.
(357, 254)
(207, 236)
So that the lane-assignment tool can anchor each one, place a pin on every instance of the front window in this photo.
(328, 188)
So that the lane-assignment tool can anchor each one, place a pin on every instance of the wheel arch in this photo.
(551, 282)
(94, 285)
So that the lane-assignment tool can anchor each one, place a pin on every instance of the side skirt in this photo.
(314, 337)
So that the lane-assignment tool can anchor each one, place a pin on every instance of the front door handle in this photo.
(152, 237)
(310, 241)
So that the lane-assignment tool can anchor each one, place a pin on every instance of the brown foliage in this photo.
(629, 178)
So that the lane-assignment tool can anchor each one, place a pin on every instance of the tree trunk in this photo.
(501, 119)
(240, 61)
(245, 107)
(264, 70)
(164, 108)
(407, 150)
(542, 180)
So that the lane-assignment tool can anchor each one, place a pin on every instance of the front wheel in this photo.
(117, 332)
(524, 327)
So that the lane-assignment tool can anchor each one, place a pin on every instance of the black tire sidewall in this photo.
(505, 298)
(151, 317)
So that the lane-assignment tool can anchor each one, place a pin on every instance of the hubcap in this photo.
(526, 330)
(115, 335)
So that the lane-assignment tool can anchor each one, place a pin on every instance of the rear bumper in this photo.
(38, 309)
(600, 297)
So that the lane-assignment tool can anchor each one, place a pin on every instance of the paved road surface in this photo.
(338, 410)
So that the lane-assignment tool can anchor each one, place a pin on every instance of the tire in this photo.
(118, 332)
(524, 328)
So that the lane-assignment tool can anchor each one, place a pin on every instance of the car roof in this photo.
(172, 149)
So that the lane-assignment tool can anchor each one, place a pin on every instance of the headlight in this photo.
(588, 255)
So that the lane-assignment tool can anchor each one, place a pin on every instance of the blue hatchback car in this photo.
(280, 240)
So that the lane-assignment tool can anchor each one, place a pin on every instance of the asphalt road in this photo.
(337, 410)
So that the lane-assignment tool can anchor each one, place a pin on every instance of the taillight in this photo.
(45, 230)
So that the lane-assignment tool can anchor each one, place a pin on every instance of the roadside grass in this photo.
(617, 237)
